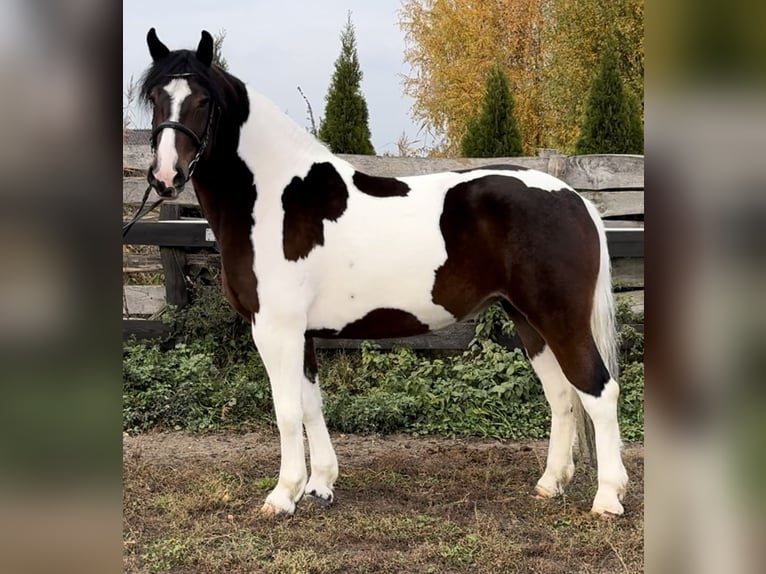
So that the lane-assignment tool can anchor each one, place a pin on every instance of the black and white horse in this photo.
(312, 247)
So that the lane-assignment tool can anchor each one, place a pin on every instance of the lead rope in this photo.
(141, 212)
(201, 145)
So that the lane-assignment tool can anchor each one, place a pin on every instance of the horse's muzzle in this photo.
(163, 189)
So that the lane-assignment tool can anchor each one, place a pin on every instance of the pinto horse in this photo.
(311, 247)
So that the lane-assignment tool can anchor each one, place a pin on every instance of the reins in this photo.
(139, 213)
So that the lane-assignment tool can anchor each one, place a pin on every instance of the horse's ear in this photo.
(205, 48)
(157, 49)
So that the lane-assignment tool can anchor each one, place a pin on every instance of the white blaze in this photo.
(167, 155)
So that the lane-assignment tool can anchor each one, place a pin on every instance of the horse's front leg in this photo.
(324, 463)
(280, 343)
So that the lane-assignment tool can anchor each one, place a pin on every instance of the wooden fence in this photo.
(184, 247)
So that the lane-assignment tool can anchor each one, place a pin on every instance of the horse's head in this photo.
(179, 87)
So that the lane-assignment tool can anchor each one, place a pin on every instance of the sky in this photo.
(275, 46)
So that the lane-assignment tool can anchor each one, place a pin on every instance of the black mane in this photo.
(212, 78)
(227, 92)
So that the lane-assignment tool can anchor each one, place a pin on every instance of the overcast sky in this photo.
(277, 45)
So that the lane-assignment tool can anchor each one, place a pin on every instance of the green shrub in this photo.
(632, 402)
(213, 379)
(182, 388)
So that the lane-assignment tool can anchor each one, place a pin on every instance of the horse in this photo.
(312, 247)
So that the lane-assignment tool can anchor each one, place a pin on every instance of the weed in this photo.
(211, 378)
(165, 554)
(463, 552)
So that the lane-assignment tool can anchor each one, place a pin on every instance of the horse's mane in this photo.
(227, 92)
(212, 78)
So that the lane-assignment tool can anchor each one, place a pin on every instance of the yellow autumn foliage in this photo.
(549, 50)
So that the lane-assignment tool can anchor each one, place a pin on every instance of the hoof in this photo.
(318, 500)
(319, 491)
(542, 493)
(607, 511)
(280, 502)
(271, 511)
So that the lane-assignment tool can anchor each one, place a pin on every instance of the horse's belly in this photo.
(380, 259)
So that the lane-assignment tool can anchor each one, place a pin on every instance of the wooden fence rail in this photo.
(182, 245)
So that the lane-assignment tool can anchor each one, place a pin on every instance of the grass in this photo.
(402, 505)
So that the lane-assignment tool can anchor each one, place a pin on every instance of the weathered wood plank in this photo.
(142, 299)
(623, 242)
(628, 272)
(144, 329)
(454, 337)
(634, 299)
(622, 223)
(185, 233)
(601, 172)
(616, 203)
(592, 172)
(609, 203)
(174, 263)
(141, 262)
(133, 189)
(152, 263)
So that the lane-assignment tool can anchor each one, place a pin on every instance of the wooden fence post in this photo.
(173, 263)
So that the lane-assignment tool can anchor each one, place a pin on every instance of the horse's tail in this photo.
(603, 327)
(602, 320)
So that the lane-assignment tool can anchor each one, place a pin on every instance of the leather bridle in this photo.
(200, 144)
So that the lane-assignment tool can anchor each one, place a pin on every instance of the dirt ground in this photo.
(402, 504)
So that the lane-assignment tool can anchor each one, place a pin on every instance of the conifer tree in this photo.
(344, 127)
(218, 58)
(612, 122)
(494, 133)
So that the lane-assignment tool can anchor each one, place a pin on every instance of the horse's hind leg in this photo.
(280, 342)
(559, 466)
(576, 353)
(612, 477)
(324, 463)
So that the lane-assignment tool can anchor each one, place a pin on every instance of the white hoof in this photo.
(322, 493)
(278, 503)
(551, 485)
(607, 502)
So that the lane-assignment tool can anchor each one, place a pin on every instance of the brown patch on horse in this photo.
(495, 167)
(307, 202)
(540, 251)
(384, 323)
(380, 323)
(310, 368)
(530, 337)
(229, 210)
(380, 186)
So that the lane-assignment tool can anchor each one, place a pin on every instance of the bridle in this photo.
(200, 144)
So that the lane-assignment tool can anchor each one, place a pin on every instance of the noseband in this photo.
(200, 144)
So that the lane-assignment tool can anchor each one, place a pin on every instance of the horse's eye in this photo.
(204, 102)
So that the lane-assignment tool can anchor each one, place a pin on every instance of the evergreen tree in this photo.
(494, 133)
(344, 127)
(612, 122)
(218, 58)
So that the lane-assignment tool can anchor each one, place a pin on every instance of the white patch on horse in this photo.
(612, 478)
(178, 89)
(529, 177)
(384, 253)
(559, 467)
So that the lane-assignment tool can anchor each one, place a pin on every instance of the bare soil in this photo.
(402, 504)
